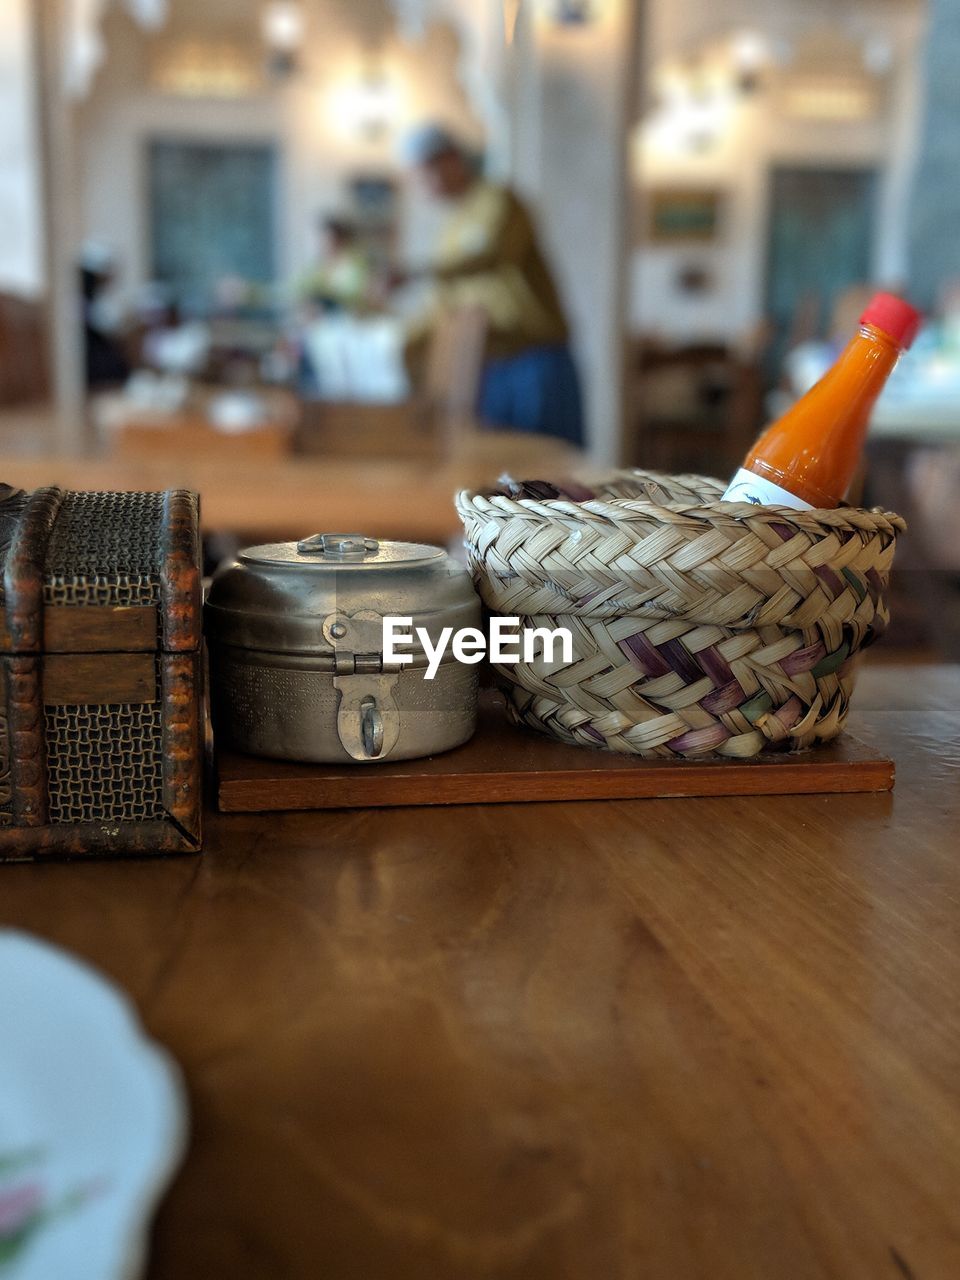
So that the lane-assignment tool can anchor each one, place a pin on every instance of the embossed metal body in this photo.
(297, 670)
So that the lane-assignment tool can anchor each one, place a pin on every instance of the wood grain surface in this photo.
(502, 764)
(261, 499)
(623, 1040)
(99, 628)
(97, 678)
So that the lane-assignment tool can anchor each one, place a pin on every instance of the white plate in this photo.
(92, 1120)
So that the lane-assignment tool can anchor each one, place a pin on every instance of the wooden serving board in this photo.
(502, 764)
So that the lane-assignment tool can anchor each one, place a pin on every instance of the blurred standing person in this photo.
(488, 256)
(335, 338)
(340, 279)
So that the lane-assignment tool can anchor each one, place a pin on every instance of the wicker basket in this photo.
(698, 626)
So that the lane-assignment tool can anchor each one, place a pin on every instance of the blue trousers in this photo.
(537, 391)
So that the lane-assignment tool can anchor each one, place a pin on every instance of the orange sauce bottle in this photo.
(808, 457)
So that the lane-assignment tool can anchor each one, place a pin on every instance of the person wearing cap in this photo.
(489, 257)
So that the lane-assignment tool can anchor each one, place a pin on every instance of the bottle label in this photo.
(746, 486)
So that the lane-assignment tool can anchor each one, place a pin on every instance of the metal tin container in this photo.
(297, 670)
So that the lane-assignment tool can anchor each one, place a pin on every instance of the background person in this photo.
(105, 357)
(488, 256)
(340, 279)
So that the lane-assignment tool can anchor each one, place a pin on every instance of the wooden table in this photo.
(589, 1041)
(263, 498)
(192, 434)
(136, 433)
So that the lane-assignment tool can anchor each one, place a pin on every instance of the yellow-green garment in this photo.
(343, 280)
(488, 257)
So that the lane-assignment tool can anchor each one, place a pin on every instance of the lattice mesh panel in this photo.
(106, 549)
(104, 762)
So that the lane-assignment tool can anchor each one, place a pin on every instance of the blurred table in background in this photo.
(935, 421)
(260, 498)
(223, 423)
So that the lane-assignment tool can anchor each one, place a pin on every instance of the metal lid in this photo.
(330, 592)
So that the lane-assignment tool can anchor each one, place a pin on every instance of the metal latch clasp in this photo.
(368, 718)
(356, 640)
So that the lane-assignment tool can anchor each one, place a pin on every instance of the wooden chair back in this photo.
(693, 408)
(453, 371)
(436, 423)
(24, 374)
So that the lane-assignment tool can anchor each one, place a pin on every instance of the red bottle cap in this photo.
(894, 317)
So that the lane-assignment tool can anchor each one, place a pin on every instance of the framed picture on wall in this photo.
(374, 206)
(684, 215)
(374, 196)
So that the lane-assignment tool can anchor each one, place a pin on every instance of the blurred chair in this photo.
(693, 408)
(932, 489)
(454, 369)
(23, 351)
(431, 424)
(921, 481)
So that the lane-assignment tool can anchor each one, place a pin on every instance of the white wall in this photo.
(755, 139)
(572, 160)
(21, 228)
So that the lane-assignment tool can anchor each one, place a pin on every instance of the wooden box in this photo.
(100, 725)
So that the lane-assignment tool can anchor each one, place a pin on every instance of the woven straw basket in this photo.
(698, 626)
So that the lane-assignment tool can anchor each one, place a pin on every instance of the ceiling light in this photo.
(283, 23)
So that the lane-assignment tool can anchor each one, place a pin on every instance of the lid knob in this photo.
(339, 546)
